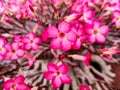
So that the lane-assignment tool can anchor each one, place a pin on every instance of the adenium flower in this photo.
(62, 37)
(58, 74)
(108, 52)
(31, 41)
(2, 48)
(116, 18)
(80, 34)
(16, 83)
(96, 32)
(14, 51)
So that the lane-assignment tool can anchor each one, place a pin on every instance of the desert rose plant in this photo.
(58, 44)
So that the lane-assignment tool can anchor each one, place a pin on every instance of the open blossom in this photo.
(14, 51)
(2, 48)
(62, 37)
(16, 83)
(116, 18)
(80, 35)
(108, 52)
(31, 41)
(96, 32)
(58, 74)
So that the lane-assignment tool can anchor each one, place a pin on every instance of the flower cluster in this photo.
(17, 49)
(17, 8)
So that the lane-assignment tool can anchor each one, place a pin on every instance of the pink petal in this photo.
(26, 39)
(56, 82)
(64, 27)
(13, 56)
(76, 45)
(63, 68)
(100, 38)
(3, 50)
(91, 38)
(44, 35)
(28, 46)
(52, 67)
(20, 52)
(22, 87)
(66, 45)
(8, 84)
(49, 75)
(31, 36)
(2, 42)
(71, 36)
(37, 40)
(96, 24)
(66, 79)
(19, 79)
(34, 46)
(52, 31)
(104, 29)
(15, 46)
(55, 43)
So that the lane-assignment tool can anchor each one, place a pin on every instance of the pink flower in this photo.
(2, 48)
(14, 51)
(82, 87)
(16, 83)
(19, 39)
(116, 18)
(80, 34)
(62, 37)
(58, 74)
(31, 41)
(108, 52)
(96, 32)
(44, 35)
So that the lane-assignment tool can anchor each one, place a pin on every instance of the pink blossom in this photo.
(58, 74)
(83, 87)
(116, 18)
(80, 34)
(14, 51)
(2, 48)
(108, 52)
(97, 32)
(62, 37)
(31, 41)
(16, 83)
(44, 35)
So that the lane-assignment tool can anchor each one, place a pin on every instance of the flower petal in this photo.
(66, 45)
(100, 38)
(55, 43)
(66, 79)
(56, 82)
(64, 27)
(8, 84)
(71, 36)
(20, 52)
(52, 67)
(91, 38)
(104, 29)
(22, 87)
(63, 68)
(19, 79)
(49, 75)
(52, 31)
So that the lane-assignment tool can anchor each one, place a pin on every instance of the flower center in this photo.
(0, 48)
(31, 41)
(13, 51)
(95, 32)
(78, 36)
(118, 18)
(61, 35)
(14, 86)
(57, 73)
